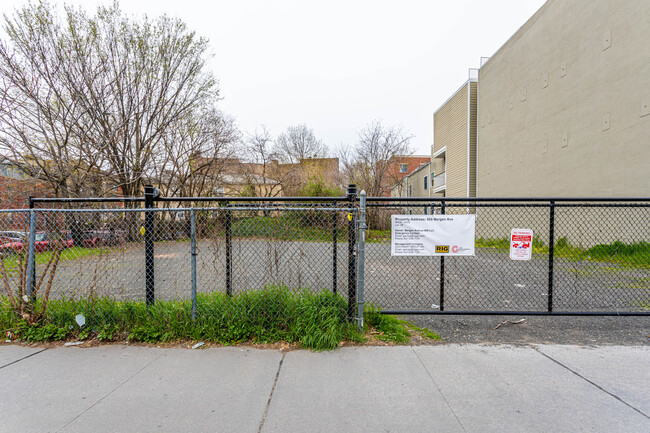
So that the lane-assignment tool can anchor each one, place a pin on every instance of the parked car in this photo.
(15, 236)
(43, 241)
(96, 238)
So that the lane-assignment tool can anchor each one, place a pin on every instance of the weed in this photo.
(387, 328)
(316, 320)
(628, 255)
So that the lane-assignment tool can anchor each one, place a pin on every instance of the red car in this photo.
(43, 242)
(96, 238)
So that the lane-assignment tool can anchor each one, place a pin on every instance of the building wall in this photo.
(454, 127)
(564, 105)
(417, 180)
(394, 176)
(473, 113)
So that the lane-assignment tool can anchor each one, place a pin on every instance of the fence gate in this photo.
(589, 257)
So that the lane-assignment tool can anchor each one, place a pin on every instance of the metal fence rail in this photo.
(590, 257)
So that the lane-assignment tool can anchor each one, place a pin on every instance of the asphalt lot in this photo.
(450, 388)
(487, 281)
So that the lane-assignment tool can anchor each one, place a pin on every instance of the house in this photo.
(233, 177)
(16, 186)
(418, 182)
(400, 166)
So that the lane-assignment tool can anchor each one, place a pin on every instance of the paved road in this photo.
(451, 388)
(488, 281)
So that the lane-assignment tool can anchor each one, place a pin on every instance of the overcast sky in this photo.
(337, 65)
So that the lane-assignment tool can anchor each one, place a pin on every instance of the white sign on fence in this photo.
(432, 235)
(521, 244)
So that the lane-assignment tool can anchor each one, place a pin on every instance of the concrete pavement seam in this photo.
(268, 403)
(438, 388)
(589, 381)
(109, 393)
(24, 357)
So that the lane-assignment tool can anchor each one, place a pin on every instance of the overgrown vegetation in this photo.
(634, 255)
(314, 320)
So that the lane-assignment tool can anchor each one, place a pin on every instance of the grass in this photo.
(391, 329)
(73, 253)
(632, 255)
(309, 226)
(314, 320)
(289, 228)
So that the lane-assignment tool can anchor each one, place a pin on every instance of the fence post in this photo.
(228, 251)
(149, 195)
(334, 249)
(442, 269)
(551, 236)
(361, 260)
(352, 263)
(31, 256)
(193, 254)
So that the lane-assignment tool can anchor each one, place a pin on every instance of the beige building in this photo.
(564, 105)
(453, 154)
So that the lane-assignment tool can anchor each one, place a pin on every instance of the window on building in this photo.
(403, 168)
(410, 190)
(426, 182)
(433, 174)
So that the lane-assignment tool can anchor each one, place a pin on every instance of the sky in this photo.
(337, 66)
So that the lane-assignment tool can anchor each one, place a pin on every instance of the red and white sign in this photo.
(521, 244)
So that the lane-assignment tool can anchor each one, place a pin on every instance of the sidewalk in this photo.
(447, 387)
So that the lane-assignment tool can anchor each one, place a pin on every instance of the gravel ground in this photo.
(539, 330)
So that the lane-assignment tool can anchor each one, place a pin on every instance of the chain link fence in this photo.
(587, 258)
(191, 255)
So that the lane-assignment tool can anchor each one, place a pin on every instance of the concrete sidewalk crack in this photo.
(268, 403)
(590, 382)
(23, 358)
(111, 392)
(439, 390)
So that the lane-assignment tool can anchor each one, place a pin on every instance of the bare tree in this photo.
(97, 95)
(43, 128)
(261, 175)
(153, 76)
(299, 142)
(199, 149)
(367, 163)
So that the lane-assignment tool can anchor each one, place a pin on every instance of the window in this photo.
(433, 174)
(426, 183)
(403, 168)
(410, 190)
